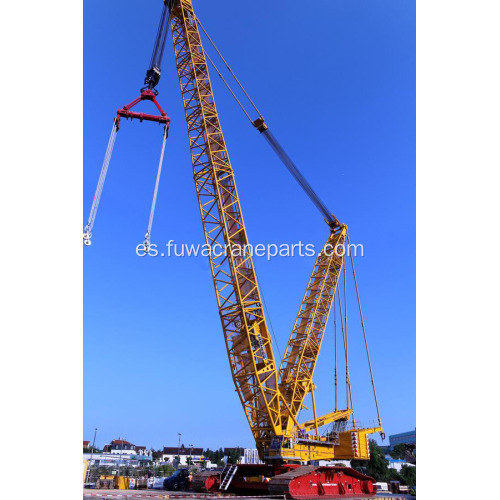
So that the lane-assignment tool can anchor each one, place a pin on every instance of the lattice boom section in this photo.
(303, 347)
(247, 338)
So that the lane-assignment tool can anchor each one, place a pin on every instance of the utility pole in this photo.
(91, 454)
(179, 450)
(121, 453)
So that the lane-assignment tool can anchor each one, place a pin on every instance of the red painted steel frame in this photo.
(146, 95)
(291, 481)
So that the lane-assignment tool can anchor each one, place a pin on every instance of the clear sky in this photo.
(336, 84)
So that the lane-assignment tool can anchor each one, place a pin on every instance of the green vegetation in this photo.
(409, 475)
(164, 470)
(216, 457)
(398, 451)
(91, 449)
(234, 456)
(378, 467)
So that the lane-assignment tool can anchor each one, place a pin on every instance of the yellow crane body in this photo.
(272, 398)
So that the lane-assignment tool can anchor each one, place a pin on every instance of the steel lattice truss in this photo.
(297, 367)
(271, 400)
(240, 306)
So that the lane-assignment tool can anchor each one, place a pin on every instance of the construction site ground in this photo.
(92, 494)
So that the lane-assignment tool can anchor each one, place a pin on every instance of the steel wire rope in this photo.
(267, 314)
(278, 149)
(248, 116)
(335, 349)
(346, 338)
(229, 68)
(364, 333)
(87, 235)
(147, 241)
(348, 381)
(229, 87)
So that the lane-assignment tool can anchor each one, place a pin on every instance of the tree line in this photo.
(378, 467)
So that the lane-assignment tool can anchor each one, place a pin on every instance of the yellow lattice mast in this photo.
(241, 311)
(299, 361)
(271, 400)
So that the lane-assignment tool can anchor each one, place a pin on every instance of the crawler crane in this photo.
(272, 395)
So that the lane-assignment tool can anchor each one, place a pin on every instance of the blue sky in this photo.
(336, 84)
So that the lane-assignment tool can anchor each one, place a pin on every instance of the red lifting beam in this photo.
(146, 95)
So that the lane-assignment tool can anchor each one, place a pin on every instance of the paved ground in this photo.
(105, 494)
(91, 494)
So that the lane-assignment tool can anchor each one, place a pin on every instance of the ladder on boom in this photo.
(227, 475)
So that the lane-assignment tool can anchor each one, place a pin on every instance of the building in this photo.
(242, 455)
(397, 463)
(141, 450)
(113, 460)
(123, 447)
(251, 456)
(86, 444)
(170, 453)
(409, 437)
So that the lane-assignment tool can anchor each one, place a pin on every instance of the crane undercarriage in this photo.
(290, 480)
(283, 474)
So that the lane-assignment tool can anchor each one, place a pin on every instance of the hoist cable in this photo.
(346, 354)
(292, 168)
(229, 88)
(335, 341)
(228, 67)
(87, 235)
(345, 350)
(287, 161)
(161, 37)
(364, 334)
(147, 241)
(268, 316)
(153, 74)
(346, 338)
(250, 119)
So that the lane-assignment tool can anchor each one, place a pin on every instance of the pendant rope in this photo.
(87, 234)
(147, 241)
(364, 335)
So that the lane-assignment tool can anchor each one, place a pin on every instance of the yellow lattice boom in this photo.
(272, 399)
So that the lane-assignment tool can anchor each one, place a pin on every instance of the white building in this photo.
(141, 450)
(245, 455)
(120, 447)
(170, 453)
(396, 463)
(251, 456)
(111, 459)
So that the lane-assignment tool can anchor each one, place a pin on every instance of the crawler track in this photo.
(312, 482)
